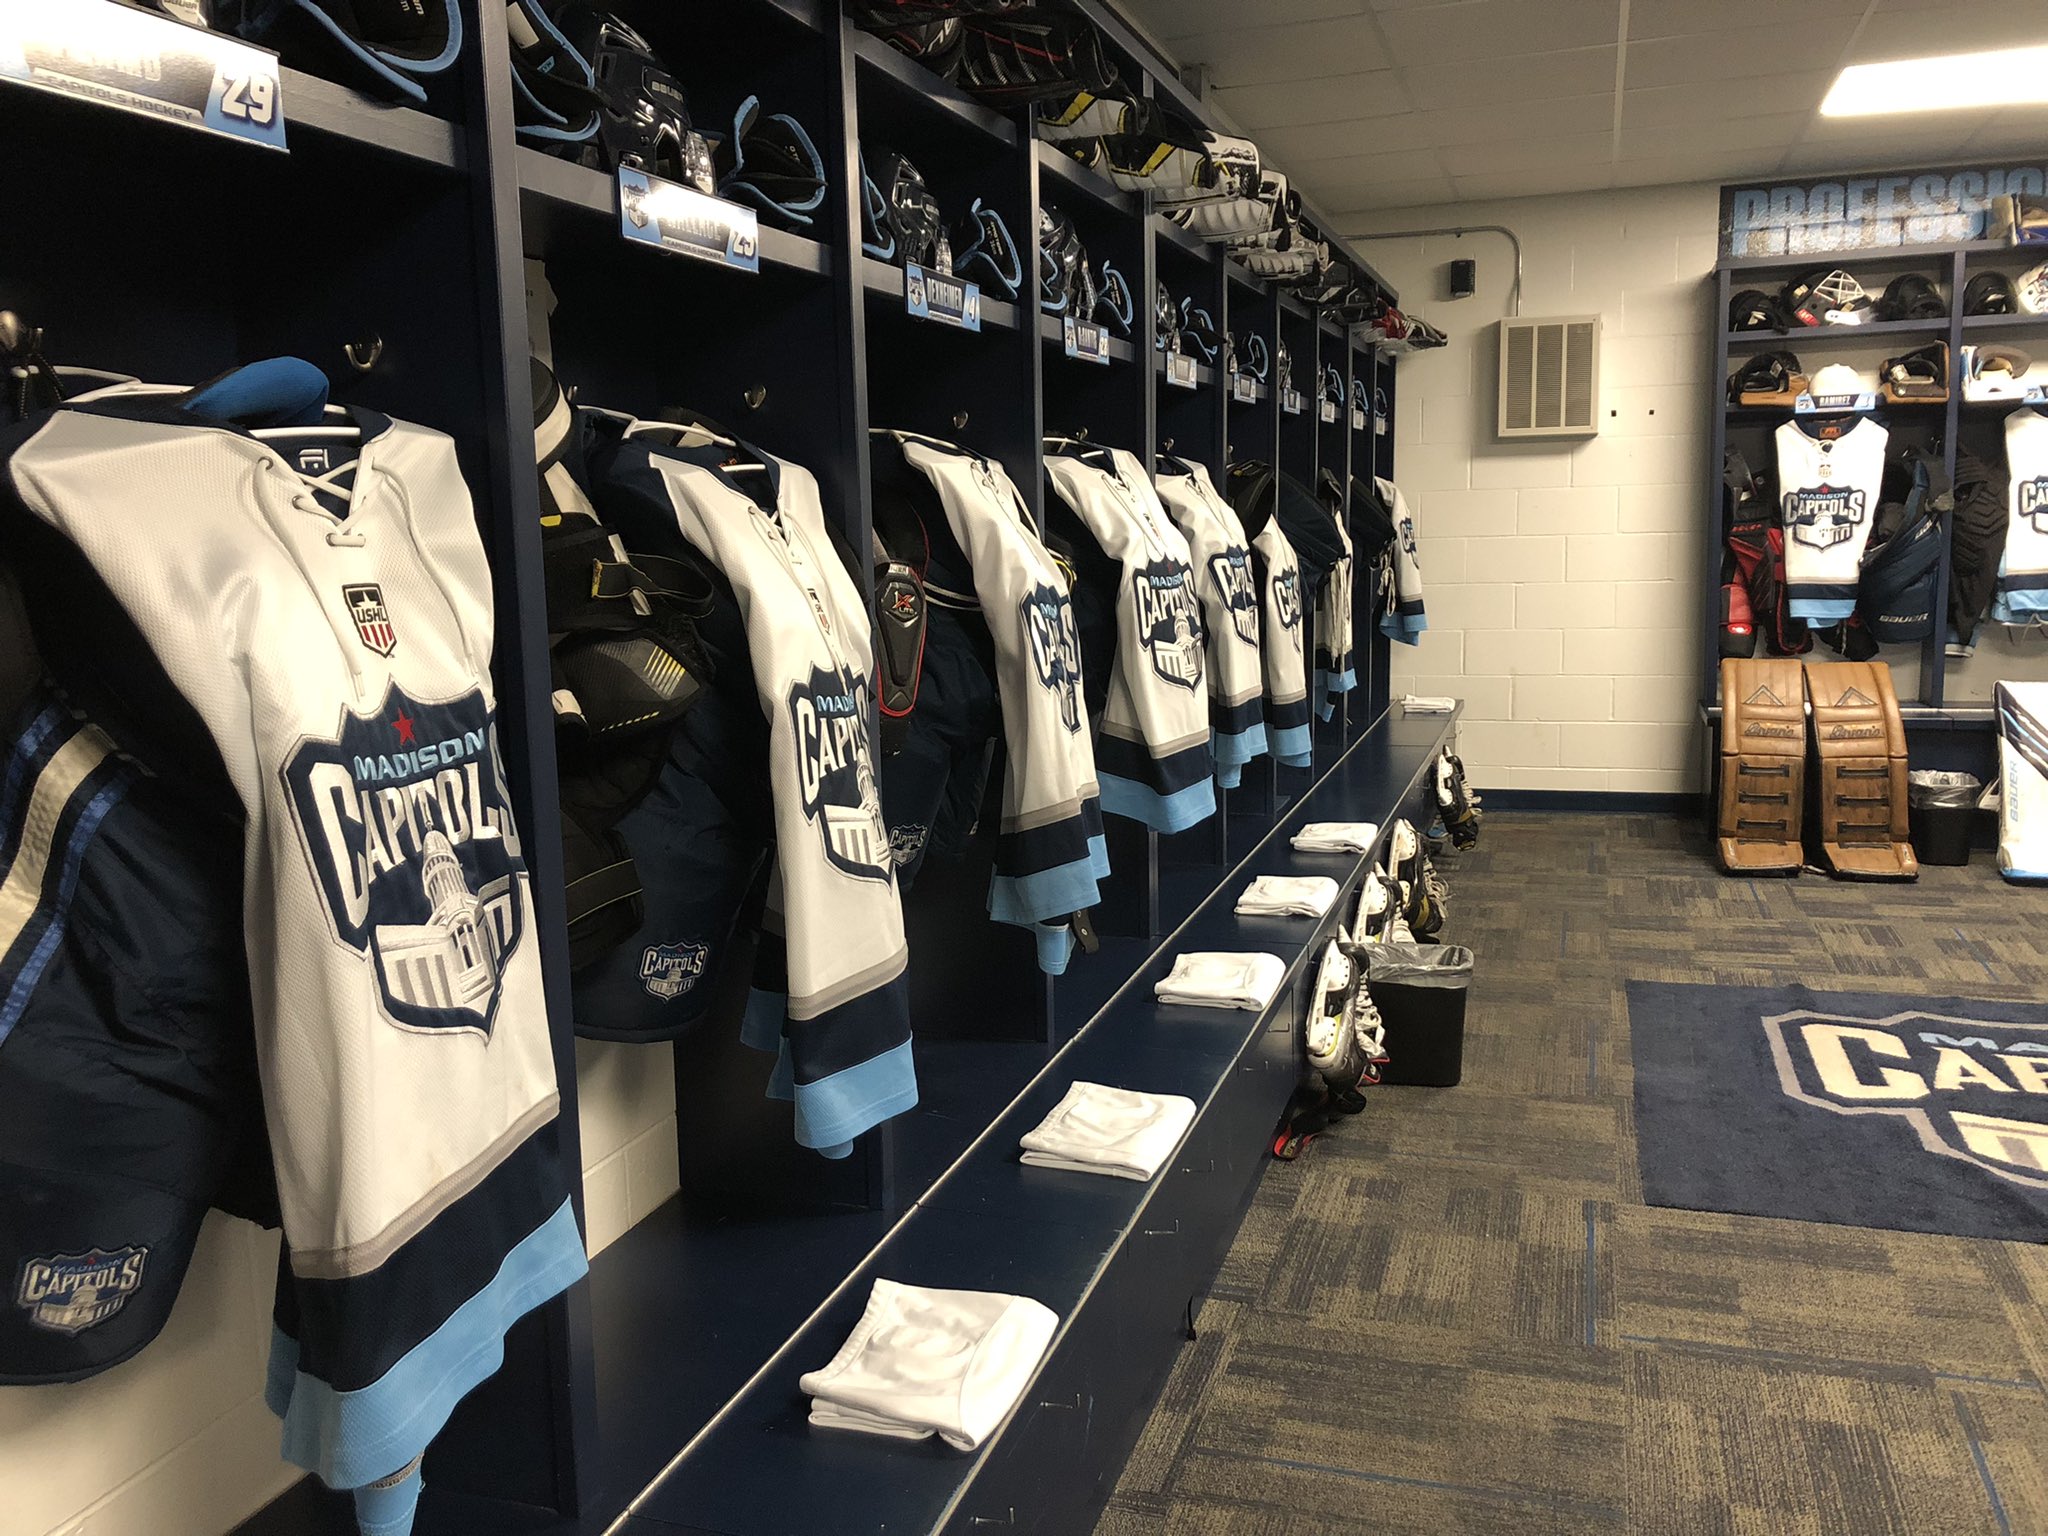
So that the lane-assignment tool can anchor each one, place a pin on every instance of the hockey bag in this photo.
(2023, 771)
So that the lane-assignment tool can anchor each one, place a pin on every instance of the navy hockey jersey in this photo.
(1050, 849)
(324, 618)
(1152, 756)
(2023, 573)
(1335, 673)
(1230, 613)
(831, 996)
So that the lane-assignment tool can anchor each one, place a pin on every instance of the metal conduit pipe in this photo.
(1514, 294)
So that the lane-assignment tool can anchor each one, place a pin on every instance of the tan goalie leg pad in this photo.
(1862, 745)
(1763, 766)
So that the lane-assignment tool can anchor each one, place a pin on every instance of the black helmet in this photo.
(1768, 373)
(900, 219)
(1165, 320)
(592, 85)
(1752, 310)
(1065, 286)
(395, 49)
(1825, 296)
(1989, 293)
(1911, 297)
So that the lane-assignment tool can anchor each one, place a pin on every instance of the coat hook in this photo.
(363, 355)
(755, 395)
(959, 421)
(1166, 446)
(14, 332)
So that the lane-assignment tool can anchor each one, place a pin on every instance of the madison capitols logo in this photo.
(372, 618)
(836, 776)
(1232, 572)
(1287, 600)
(667, 971)
(2033, 501)
(1055, 648)
(71, 1292)
(1967, 1089)
(1168, 621)
(403, 818)
(1823, 516)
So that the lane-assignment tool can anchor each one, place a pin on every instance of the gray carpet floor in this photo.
(1456, 1315)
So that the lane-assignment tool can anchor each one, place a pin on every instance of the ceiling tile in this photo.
(1712, 57)
(1532, 119)
(1887, 152)
(1304, 145)
(1498, 29)
(1345, 183)
(1899, 30)
(1918, 133)
(1488, 83)
(1330, 99)
(1426, 191)
(1542, 183)
(1525, 154)
(1171, 19)
(2016, 130)
(1717, 101)
(1702, 165)
(1765, 21)
(1260, 55)
(1778, 130)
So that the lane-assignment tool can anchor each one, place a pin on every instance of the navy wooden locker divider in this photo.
(630, 1392)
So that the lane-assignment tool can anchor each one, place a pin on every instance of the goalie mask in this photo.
(2031, 289)
(395, 46)
(1826, 297)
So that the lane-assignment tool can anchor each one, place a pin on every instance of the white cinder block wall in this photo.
(1564, 580)
(178, 1442)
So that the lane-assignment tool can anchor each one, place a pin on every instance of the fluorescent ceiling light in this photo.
(2005, 77)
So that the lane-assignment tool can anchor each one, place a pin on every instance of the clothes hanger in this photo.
(696, 434)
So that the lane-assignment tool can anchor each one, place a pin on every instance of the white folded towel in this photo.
(1209, 979)
(1287, 896)
(1117, 1131)
(1337, 837)
(924, 1362)
(1427, 704)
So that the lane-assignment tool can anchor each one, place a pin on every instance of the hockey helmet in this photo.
(393, 48)
(1283, 366)
(587, 79)
(1258, 362)
(900, 218)
(984, 251)
(771, 163)
(1835, 381)
(2031, 288)
(1059, 248)
(1198, 332)
(1114, 306)
(1165, 320)
(1921, 375)
(1828, 296)
(1989, 293)
(1752, 310)
(1910, 296)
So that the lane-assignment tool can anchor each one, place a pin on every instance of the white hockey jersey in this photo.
(1405, 618)
(2023, 572)
(1827, 498)
(319, 597)
(1050, 851)
(1230, 613)
(1282, 654)
(1336, 674)
(842, 1027)
(1152, 758)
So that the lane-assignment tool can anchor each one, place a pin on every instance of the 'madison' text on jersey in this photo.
(1230, 613)
(333, 635)
(1827, 497)
(1153, 752)
(2023, 573)
(1050, 850)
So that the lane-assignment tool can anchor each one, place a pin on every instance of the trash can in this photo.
(1939, 810)
(1420, 992)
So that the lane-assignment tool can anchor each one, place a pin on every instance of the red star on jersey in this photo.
(404, 724)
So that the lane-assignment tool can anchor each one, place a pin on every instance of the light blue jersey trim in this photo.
(1028, 899)
(1055, 947)
(1406, 630)
(838, 1108)
(1825, 609)
(1229, 775)
(761, 1023)
(352, 1438)
(1290, 746)
(1239, 748)
(1162, 813)
(389, 1511)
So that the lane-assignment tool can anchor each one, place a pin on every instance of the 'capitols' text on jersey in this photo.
(1055, 648)
(836, 776)
(1170, 621)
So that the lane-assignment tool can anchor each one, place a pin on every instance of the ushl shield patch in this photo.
(372, 618)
